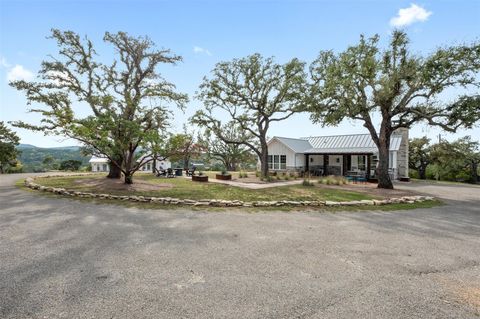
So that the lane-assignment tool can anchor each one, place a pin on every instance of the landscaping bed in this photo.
(149, 185)
(293, 195)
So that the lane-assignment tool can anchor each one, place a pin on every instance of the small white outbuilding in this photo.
(100, 164)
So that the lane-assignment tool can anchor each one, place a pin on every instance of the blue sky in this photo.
(206, 32)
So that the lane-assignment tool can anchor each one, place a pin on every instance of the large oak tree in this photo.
(127, 100)
(254, 92)
(399, 87)
(420, 155)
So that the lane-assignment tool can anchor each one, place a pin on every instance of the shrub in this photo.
(287, 178)
(306, 182)
(224, 172)
(267, 179)
(257, 173)
(200, 173)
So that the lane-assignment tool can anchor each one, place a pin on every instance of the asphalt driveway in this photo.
(61, 258)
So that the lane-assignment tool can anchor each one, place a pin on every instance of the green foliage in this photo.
(32, 157)
(420, 155)
(333, 180)
(70, 165)
(307, 182)
(126, 98)
(402, 88)
(231, 155)
(8, 153)
(183, 147)
(456, 161)
(253, 92)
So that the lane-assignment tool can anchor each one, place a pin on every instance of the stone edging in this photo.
(30, 183)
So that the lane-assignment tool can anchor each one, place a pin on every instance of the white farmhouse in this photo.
(101, 164)
(337, 155)
(160, 163)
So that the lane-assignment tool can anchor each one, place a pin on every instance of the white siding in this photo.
(315, 160)
(299, 160)
(277, 148)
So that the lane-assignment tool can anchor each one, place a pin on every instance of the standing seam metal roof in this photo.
(357, 143)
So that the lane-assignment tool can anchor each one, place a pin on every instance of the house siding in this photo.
(277, 148)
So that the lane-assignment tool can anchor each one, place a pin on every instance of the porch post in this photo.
(369, 159)
(307, 162)
(325, 164)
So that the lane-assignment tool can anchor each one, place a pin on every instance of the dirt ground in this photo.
(106, 184)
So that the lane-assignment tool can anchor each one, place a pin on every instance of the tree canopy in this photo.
(231, 155)
(128, 99)
(254, 92)
(398, 86)
(420, 155)
(8, 153)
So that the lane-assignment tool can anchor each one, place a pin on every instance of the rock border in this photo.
(30, 183)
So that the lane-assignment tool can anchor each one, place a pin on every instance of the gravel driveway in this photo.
(61, 258)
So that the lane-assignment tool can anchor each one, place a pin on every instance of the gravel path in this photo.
(61, 258)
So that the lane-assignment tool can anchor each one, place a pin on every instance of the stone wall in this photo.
(30, 183)
(402, 154)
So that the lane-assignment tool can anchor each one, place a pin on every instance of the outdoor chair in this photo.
(190, 172)
(161, 173)
(170, 173)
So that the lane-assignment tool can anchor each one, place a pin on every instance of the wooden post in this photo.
(307, 162)
(369, 164)
(325, 165)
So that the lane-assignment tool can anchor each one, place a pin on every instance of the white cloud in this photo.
(201, 50)
(4, 63)
(18, 72)
(410, 15)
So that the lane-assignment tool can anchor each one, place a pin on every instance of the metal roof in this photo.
(295, 144)
(96, 159)
(337, 144)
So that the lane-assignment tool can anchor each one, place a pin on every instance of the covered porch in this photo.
(341, 164)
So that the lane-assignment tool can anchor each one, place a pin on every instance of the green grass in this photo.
(64, 182)
(184, 188)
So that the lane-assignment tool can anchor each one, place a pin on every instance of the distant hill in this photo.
(32, 156)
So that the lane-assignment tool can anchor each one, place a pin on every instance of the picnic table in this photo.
(356, 177)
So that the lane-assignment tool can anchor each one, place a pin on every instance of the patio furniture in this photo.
(190, 172)
(161, 173)
(170, 173)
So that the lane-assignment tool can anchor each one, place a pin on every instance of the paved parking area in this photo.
(61, 258)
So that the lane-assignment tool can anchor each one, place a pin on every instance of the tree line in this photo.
(131, 104)
(452, 161)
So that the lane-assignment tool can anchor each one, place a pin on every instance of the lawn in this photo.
(148, 185)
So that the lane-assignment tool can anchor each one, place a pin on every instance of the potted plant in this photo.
(224, 175)
(200, 177)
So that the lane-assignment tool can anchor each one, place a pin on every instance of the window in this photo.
(361, 163)
(390, 160)
(283, 161)
(276, 162)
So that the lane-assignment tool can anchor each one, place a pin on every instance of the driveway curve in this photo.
(62, 258)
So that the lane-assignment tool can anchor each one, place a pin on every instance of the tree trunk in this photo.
(422, 172)
(128, 178)
(264, 162)
(474, 172)
(114, 171)
(381, 171)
